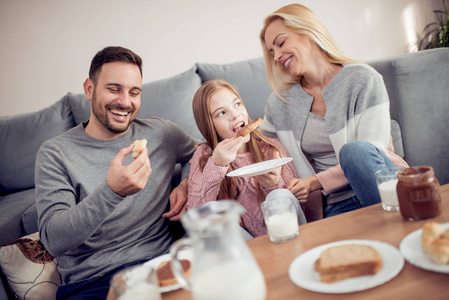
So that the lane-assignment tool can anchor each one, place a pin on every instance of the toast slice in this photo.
(345, 261)
(165, 273)
(249, 128)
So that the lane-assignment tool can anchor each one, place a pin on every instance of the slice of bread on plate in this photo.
(345, 261)
(165, 273)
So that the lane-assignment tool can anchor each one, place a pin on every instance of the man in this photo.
(99, 209)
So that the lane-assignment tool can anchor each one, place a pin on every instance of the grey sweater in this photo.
(357, 108)
(90, 229)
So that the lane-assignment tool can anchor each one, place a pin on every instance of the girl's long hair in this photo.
(229, 187)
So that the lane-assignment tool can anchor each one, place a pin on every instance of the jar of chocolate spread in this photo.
(418, 193)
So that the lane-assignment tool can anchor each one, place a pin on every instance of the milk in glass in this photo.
(282, 225)
(281, 218)
(388, 194)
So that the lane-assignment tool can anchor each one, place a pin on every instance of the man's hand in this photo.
(178, 201)
(128, 180)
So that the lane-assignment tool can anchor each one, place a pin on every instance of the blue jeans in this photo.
(337, 208)
(96, 288)
(359, 161)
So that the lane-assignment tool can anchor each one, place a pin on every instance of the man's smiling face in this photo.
(116, 99)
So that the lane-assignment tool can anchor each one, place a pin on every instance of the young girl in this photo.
(219, 114)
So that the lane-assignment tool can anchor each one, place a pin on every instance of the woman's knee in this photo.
(355, 150)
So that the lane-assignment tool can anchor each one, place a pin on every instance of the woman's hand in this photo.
(272, 178)
(226, 151)
(302, 187)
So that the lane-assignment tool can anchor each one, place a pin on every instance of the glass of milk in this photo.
(386, 184)
(137, 282)
(281, 218)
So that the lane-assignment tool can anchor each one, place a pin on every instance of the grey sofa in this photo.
(416, 83)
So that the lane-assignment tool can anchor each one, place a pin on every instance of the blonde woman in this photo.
(329, 111)
(219, 113)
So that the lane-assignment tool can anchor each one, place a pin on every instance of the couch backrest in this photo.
(22, 136)
(248, 76)
(418, 88)
(416, 84)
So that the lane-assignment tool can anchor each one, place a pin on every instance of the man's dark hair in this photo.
(112, 54)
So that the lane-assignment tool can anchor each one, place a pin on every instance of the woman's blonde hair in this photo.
(301, 20)
(229, 188)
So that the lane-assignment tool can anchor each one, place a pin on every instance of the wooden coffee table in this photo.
(370, 223)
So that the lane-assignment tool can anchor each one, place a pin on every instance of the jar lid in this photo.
(413, 173)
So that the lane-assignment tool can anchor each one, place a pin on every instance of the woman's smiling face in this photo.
(290, 50)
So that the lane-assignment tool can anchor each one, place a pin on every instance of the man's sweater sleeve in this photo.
(65, 224)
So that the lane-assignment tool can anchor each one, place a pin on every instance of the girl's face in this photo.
(290, 50)
(228, 113)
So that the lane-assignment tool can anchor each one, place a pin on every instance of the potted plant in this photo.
(436, 34)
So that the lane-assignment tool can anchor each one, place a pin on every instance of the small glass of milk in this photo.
(137, 282)
(386, 184)
(281, 218)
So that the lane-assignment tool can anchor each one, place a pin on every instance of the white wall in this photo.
(47, 45)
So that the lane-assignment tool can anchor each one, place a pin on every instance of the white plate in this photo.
(411, 248)
(260, 168)
(155, 262)
(302, 273)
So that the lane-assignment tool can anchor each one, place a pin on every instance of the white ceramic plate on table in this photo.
(260, 168)
(302, 273)
(411, 248)
(155, 262)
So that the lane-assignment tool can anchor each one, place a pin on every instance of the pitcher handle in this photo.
(176, 264)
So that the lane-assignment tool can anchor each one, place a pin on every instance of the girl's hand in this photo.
(272, 178)
(226, 151)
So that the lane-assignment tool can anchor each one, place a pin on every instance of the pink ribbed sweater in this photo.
(204, 186)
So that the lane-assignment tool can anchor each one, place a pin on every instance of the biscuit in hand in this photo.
(139, 145)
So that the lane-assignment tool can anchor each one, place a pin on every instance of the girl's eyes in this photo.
(221, 113)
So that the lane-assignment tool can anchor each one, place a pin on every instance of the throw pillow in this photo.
(30, 270)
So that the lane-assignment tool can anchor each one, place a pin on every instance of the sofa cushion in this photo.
(416, 84)
(80, 107)
(397, 138)
(12, 208)
(171, 99)
(248, 76)
(30, 270)
(24, 135)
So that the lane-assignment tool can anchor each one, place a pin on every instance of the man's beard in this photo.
(102, 115)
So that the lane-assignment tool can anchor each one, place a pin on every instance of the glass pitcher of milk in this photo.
(223, 267)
